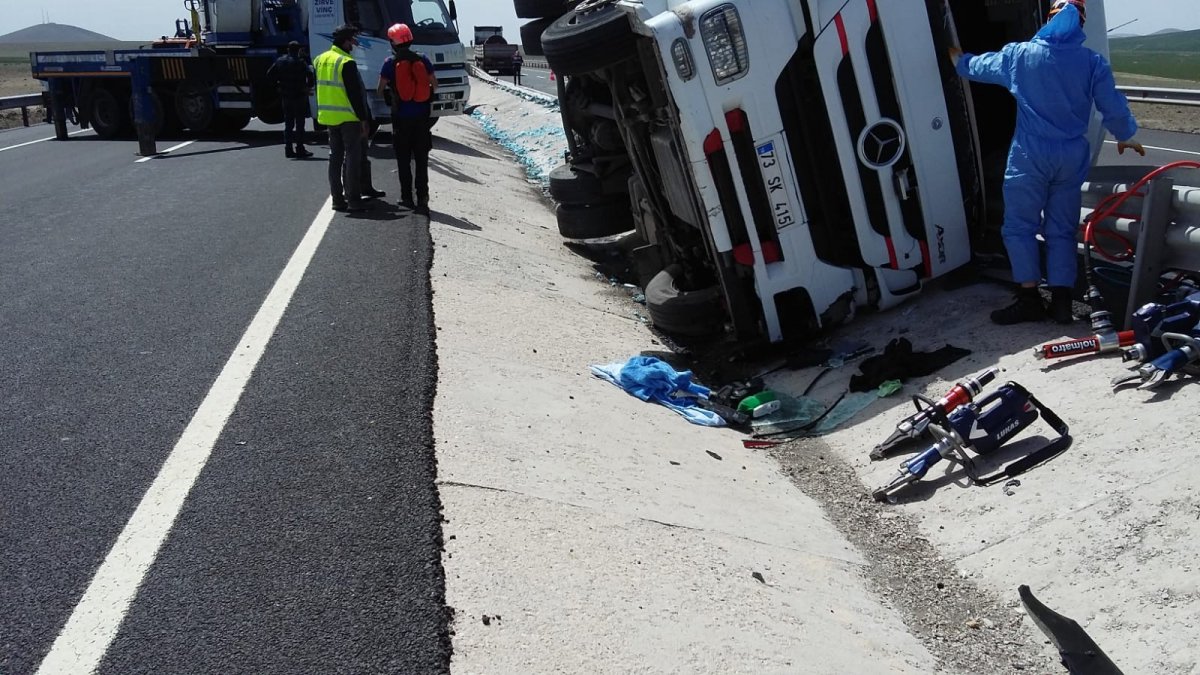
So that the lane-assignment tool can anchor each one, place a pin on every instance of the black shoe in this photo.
(422, 209)
(357, 207)
(339, 206)
(406, 203)
(1027, 307)
(303, 152)
(1061, 307)
(287, 152)
(372, 193)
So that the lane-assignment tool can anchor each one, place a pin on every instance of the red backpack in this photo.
(412, 78)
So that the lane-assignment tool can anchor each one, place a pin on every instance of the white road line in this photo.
(89, 631)
(41, 140)
(173, 148)
(1155, 147)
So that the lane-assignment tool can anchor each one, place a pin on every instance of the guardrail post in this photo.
(143, 108)
(1152, 239)
(24, 116)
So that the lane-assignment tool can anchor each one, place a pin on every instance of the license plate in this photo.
(772, 172)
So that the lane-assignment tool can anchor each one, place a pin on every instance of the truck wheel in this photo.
(568, 186)
(673, 310)
(593, 36)
(531, 36)
(195, 107)
(536, 9)
(230, 121)
(592, 221)
(107, 114)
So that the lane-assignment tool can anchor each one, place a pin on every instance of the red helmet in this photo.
(1060, 5)
(400, 34)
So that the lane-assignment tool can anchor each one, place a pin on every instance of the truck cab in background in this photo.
(435, 35)
(787, 163)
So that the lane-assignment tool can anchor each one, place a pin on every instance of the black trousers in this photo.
(412, 140)
(295, 112)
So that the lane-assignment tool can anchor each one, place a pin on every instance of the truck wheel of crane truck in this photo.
(195, 106)
(582, 43)
(109, 112)
(537, 9)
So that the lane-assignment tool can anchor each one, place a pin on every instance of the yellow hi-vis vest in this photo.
(333, 104)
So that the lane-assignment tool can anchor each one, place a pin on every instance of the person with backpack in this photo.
(409, 80)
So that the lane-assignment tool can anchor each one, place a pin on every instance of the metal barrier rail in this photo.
(1162, 95)
(536, 62)
(24, 102)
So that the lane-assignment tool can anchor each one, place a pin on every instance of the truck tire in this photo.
(595, 35)
(568, 186)
(537, 9)
(230, 121)
(194, 106)
(108, 115)
(689, 313)
(531, 36)
(593, 221)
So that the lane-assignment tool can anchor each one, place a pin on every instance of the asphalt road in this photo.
(310, 540)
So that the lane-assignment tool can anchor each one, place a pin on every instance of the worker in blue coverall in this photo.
(1055, 80)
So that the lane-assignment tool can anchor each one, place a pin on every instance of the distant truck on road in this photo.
(211, 78)
(493, 54)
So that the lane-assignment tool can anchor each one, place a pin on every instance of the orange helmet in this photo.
(400, 34)
(1060, 5)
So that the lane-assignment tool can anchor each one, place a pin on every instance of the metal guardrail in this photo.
(24, 102)
(1162, 95)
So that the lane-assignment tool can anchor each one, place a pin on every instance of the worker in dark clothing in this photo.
(517, 62)
(410, 81)
(294, 80)
(342, 108)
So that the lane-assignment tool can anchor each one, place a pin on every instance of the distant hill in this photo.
(1163, 41)
(1174, 55)
(1167, 30)
(54, 32)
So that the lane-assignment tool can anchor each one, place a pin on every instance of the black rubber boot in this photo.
(1061, 309)
(287, 152)
(1025, 308)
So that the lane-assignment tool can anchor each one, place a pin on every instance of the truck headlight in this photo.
(681, 54)
(725, 43)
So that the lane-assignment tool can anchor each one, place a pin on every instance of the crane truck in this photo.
(211, 76)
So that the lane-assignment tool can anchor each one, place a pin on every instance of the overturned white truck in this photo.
(786, 162)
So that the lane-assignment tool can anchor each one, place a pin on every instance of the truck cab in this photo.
(796, 160)
(435, 36)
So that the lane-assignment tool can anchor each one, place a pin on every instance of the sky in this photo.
(147, 19)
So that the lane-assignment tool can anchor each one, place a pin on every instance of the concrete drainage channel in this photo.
(1104, 534)
(566, 547)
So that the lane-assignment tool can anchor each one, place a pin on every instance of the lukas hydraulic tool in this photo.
(982, 427)
(1165, 343)
(915, 425)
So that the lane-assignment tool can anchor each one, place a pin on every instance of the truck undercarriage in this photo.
(790, 211)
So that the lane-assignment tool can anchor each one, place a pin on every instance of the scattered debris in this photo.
(759, 576)
(713, 454)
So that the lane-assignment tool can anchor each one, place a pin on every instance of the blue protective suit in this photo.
(1055, 80)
